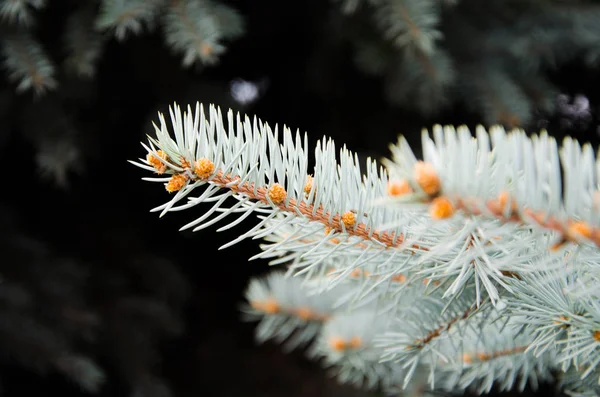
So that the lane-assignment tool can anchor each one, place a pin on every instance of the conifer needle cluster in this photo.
(473, 267)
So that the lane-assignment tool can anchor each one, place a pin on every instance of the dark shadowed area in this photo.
(93, 280)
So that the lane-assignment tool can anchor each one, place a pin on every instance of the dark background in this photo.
(103, 219)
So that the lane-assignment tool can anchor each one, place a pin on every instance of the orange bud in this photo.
(355, 342)
(349, 219)
(304, 313)
(158, 165)
(441, 208)
(399, 188)
(337, 344)
(177, 182)
(203, 168)
(427, 178)
(308, 185)
(277, 193)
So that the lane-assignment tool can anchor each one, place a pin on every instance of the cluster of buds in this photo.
(201, 169)
(425, 180)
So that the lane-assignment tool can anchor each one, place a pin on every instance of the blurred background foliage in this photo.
(98, 296)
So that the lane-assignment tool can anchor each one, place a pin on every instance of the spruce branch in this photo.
(468, 260)
(285, 311)
(489, 48)
(245, 162)
(27, 63)
(251, 166)
(410, 25)
(198, 28)
(421, 81)
(492, 353)
(20, 11)
(417, 340)
(500, 99)
(128, 16)
(84, 43)
(347, 346)
(524, 182)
